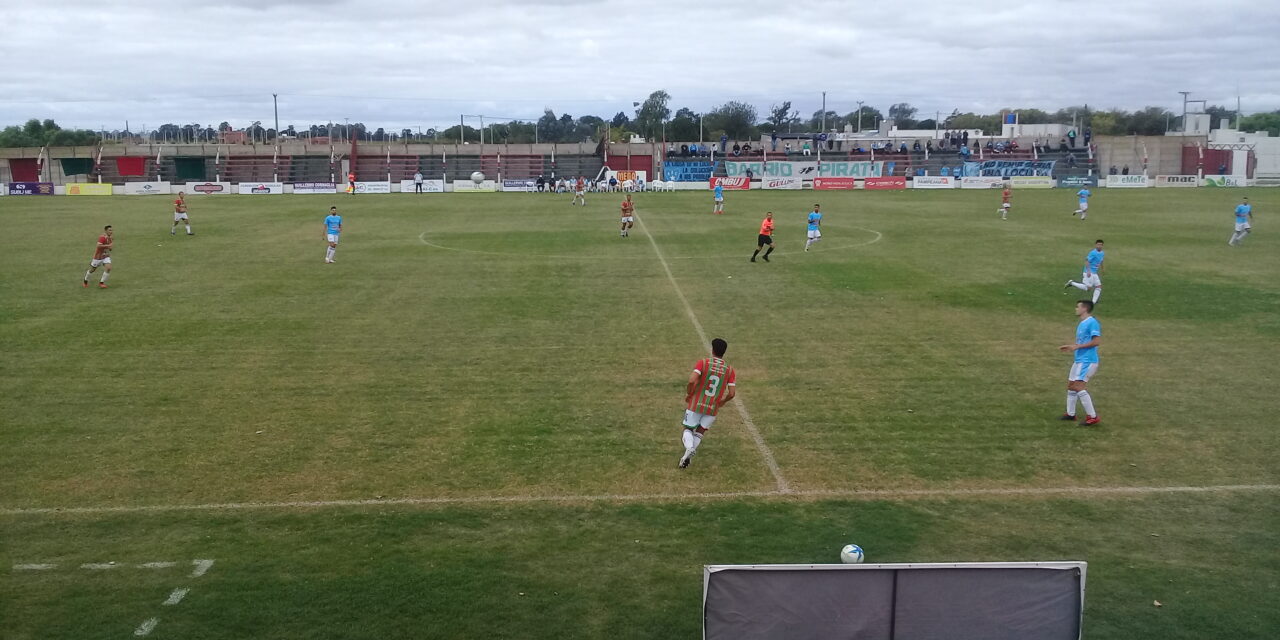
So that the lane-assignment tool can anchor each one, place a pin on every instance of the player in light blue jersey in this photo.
(1083, 209)
(718, 207)
(1085, 349)
(815, 222)
(332, 229)
(1244, 215)
(1092, 268)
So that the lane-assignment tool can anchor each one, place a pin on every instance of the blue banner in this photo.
(686, 171)
(1007, 168)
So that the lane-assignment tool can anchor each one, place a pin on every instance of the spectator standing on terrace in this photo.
(1088, 135)
(946, 137)
(1071, 138)
(724, 140)
(965, 138)
(1222, 169)
(928, 146)
(671, 148)
(1125, 170)
(1071, 160)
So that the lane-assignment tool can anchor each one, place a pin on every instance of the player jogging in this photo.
(712, 384)
(351, 182)
(1088, 337)
(1244, 215)
(1083, 209)
(332, 230)
(765, 237)
(580, 191)
(718, 207)
(1004, 202)
(815, 221)
(628, 215)
(1092, 268)
(180, 214)
(101, 258)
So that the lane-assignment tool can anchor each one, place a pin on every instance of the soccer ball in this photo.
(477, 177)
(851, 554)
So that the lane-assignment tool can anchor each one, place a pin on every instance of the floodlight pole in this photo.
(1184, 111)
(824, 112)
(859, 116)
(275, 106)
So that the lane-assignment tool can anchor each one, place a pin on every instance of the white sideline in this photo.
(851, 494)
(146, 627)
(765, 452)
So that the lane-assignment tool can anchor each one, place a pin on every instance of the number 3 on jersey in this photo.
(713, 386)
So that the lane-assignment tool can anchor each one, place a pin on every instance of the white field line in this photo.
(40, 566)
(765, 452)
(176, 597)
(99, 566)
(201, 567)
(157, 565)
(146, 627)
(851, 494)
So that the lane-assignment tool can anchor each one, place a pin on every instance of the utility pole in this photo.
(859, 116)
(275, 106)
(824, 112)
(1184, 111)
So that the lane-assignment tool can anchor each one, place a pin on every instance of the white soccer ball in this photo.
(477, 177)
(851, 554)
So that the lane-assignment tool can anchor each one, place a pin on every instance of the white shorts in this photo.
(1090, 279)
(98, 263)
(579, 193)
(1243, 226)
(331, 237)
(1004, 205)
(177, 216)
(1082, 371)
(719, 200)
(814, 234)
(693, 420)
(628, 219)
(1084, 206)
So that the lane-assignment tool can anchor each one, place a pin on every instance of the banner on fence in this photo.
(981, 182)
(208, 188)
(782, 183)
(1225, 181)
(88, 189)
(775, 169)
(469, 186)
(686, 171)
(30, 188)
(1135, 181)
(1177, 181)
(527, 184)
(428, 186)
(891, 182)
(933, 182)
(1074, 182)
(147, 188)
(260, 188)
(1031, 182)
(851, 169)
(739, 184)
(1007, 168)
(316, 188)
(833, 184)
(373, 187)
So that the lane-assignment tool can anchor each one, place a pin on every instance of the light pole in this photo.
(859, 116)
(824, 112)
(275, 106)
(1184, 111)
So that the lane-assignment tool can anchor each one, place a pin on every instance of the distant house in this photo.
(233, 137)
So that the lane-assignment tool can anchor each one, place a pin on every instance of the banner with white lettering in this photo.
(852, 169)
(686, 171)
(207, 188)
(1130, 181)
(146, 188)
(1225, 181)
(782, 183)
(1031, 182)
(933, 182)
(1007, 168)
(470, 186)
(260, 188)
(315, 188)
(981, 182)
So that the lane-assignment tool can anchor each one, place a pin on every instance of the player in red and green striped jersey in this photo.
(712, 384)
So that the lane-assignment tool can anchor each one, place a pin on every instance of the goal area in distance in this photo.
(933, 601)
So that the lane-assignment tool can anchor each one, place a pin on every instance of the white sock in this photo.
(105, 275)
(687, 438)
(87, 274)
(1087, 402)
(1079, 285)
(328, 253)
(1097, 293)
(1083, 215)
(1071, 402)
(188, 228)
(697, 439)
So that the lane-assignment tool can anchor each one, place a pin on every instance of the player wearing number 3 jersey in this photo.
(712, 384)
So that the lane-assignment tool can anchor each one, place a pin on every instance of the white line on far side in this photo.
(146, 627)
(201, 567)
(176, 596)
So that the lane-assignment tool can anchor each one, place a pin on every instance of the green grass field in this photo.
(501, 377)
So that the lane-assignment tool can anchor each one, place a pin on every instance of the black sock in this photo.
(755, 253)
(766, 254)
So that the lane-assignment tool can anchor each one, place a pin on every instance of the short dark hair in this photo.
(333, 207)
(106, 227)
(1099, 241)
(718, 347)
(1088, 304)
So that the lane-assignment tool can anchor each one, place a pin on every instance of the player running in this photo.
(1004, 202)
(718, 207)
(765, 237)
(332, 230)
(1244, 214)
(712, 384)
(628, 215)
(180, 214)
(815, 221)
(351, 182)
(1088, 337)
(1083, 209)
(1092, 269)
(580, 191)
(101, 258)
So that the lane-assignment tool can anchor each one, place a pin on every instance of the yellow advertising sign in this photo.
(88, 189)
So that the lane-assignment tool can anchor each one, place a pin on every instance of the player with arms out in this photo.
(628, 215)
(765, 237)
(1083, 209)
(1092, 269)
(815, 221)
(101, 258)
(332, 231)
(718, 196)
(712, 384)
(180, 214)
(580, 191)
(1244, 215)
(1004, 202)
(1088, 337)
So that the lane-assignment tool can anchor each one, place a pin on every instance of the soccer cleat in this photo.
(753, 259)
(684, 460)
(1090, 421)
(766, 257)
(86, 284)
(1068, 284)
(1066, 416)
(102, 285)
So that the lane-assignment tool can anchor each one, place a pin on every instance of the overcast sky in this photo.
(401, 63)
